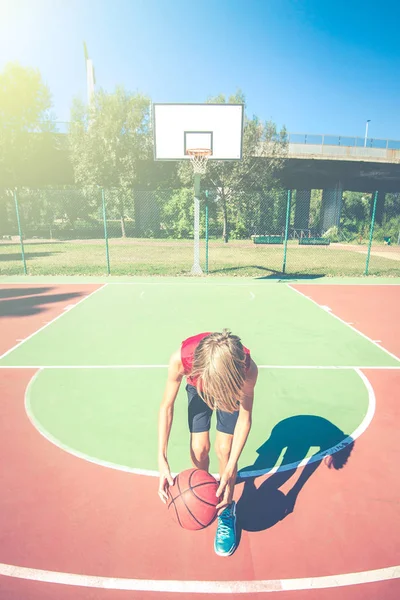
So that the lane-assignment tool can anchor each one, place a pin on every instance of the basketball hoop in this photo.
(199, 158)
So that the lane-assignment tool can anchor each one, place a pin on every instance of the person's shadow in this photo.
(262, 507)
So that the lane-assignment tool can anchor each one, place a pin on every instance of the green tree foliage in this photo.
(25, 103)
(390, 226)
(107, 141)
(356, 215)
(25, 126)
(177, 213)
(249, 181)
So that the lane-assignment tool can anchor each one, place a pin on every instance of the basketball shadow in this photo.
(262, 507)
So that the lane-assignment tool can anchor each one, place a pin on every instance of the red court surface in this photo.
(373, 310)
(60, 513)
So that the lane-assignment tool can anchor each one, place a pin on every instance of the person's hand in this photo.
(165, 480)
(225, 489)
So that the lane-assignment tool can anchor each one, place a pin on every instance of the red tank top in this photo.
(187, 353)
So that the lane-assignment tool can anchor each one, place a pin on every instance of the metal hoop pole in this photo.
(207, 237)
(289, 199)
(196, 268)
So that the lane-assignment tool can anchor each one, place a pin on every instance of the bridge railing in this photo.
(323, 139)
(342, 140)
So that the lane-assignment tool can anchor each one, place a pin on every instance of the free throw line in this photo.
(321, 367)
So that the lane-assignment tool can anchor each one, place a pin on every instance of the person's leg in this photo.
(223, 446)
(226, 536)
(199, 419)
(200, 450)
(226, 423)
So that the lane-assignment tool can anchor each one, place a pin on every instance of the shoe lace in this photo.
(224, 524)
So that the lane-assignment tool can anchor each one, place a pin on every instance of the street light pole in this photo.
(366, 132)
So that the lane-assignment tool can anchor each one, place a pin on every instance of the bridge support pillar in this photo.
(302, 210)
(380, 207)
(331, 207)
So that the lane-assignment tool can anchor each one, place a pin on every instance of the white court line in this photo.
(321, 367)
(86, 367)
(333, 449)
(52, 321)
(345, 323)
(201, 587)
(151, 473)
(208, 282)
(180, 281)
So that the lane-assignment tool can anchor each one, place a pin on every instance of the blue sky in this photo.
(318, 66)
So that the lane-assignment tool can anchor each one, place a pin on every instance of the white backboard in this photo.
(216, 127)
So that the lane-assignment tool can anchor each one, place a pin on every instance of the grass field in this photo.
(175, 257)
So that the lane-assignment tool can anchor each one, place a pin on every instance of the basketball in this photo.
(192, 499)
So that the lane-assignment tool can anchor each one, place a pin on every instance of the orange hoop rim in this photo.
(193, 152)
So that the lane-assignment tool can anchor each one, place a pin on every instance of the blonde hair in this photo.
(219, 364)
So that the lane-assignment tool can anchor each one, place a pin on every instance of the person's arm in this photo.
(166, 414)
(242, 429)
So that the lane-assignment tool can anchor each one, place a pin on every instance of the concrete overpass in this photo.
(332, 163)
(337, 163)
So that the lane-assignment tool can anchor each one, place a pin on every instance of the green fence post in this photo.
(207, 232)
(371, 233)
(20, 233)
(105, 230)
(289, 198)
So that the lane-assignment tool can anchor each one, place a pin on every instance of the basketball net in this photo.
(199, 158)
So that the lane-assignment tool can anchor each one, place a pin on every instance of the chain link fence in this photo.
(262, 233)
(384, 234)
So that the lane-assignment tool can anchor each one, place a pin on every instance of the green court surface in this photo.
(142, 325)
(111, 415)
(106, 368)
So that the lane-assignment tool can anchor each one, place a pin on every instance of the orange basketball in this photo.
(192, 499)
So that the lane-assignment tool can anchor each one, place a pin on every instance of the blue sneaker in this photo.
(225, 537)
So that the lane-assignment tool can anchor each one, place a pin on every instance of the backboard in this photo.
(181, 127)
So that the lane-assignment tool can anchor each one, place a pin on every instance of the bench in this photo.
(268, 239)
(314, 241)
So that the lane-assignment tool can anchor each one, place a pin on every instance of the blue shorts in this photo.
(199, 415)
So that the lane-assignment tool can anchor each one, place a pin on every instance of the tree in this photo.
(355, 215)
(177, 214)
(25, 119)
(263, 153)
(107, 141)
(25, 103)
